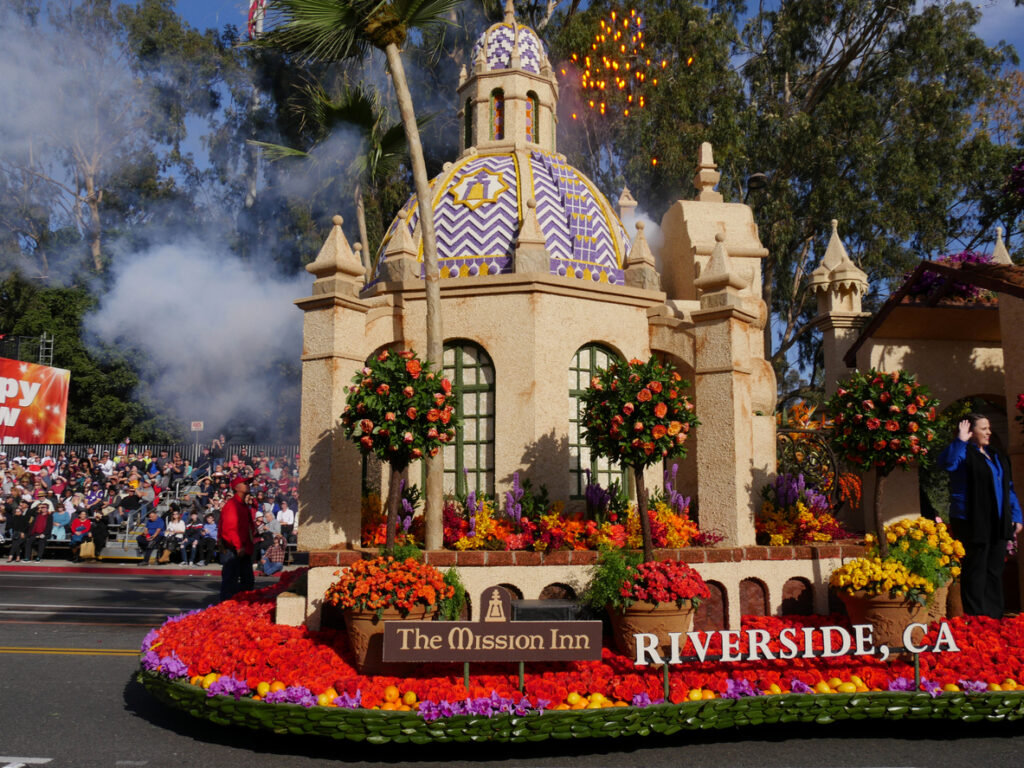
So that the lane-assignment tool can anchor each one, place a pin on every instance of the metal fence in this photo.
(190, 451)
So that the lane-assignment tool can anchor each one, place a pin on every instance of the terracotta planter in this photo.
(652, 618)
(366, 635)
(937, 605)
(889, 616)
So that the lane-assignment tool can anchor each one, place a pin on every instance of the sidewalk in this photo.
(120, 568)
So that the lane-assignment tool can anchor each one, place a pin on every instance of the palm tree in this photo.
(333, 30)
(380, 154)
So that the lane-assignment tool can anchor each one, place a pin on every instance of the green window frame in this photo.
(587, 361)
(469, 463)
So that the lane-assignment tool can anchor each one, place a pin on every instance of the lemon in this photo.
(774, 688)
(324, 700)
(849, 687)
(995, 687)
(263, 688)
(822, 687)
(695, 694)
(951, 687)
(573, 698)
(594, 705)
(834, 682)
(409, 698)
(210, 679)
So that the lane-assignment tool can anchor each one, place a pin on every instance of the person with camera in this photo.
(235, 542)
(984, 513)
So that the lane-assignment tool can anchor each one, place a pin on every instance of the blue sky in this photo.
(1000, 20)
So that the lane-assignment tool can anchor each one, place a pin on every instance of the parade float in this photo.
(468, 627)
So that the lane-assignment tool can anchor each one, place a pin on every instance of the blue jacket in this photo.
(154, 527)
(953, 459)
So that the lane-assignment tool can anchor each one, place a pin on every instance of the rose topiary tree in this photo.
(635, 414)
(883, 421)
(400, 410)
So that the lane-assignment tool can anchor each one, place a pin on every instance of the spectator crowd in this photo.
(170, 507)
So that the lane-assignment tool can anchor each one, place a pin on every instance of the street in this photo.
(68, 654)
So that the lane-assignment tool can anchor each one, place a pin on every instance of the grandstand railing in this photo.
(191, 451)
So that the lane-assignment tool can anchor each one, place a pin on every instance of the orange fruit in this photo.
(390, 706)
(257, 697)
(277, 685)
(324, 700)
(391, 693)
(621, 703)
(331, 692)
(708, 695)
(404, 708)
(263, 688)
(995, 687)
(196, 680)
(1009, 684)
(562, 706)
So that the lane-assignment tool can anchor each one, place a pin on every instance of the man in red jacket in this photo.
(235, 542)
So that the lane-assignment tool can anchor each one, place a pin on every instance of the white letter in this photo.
(674, 637)
(808, 643)
(8, 388)
(789, 648)
(29, 390)
(908, 640)
(730, 644)
(646, 647)
(8, 416)
(826, 640)
(945, 639)
(702, 650)
(865, 639)
(757, 639)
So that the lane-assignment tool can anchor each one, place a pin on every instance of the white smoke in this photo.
(210, 326)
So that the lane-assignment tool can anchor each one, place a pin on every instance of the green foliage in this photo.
(450, 608)
(403, 552)
(615, 567)
(637, 413)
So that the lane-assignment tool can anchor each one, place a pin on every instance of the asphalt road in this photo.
(68, 698)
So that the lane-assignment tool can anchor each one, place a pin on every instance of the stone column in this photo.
(1011, 320)
(333, 340)
(725, 450)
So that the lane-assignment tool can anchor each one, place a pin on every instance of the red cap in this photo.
(238, 481)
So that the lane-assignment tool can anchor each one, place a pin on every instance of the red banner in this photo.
(33, 402)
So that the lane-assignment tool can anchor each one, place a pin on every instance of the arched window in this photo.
(497, 114)
(532, 115)
(585, 364)
(469, 463)
(467, 123)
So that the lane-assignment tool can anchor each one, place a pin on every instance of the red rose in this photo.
(894, 443)
(644, 395)
(410, 414)
(648, 448)
(880, 445)
(655, 387)
(638, 427)
(407, 438)
(658, 431)
(389, 416)
(892, 426)
(660, 409)
(367, 442)
(383, 389)
(869, 405)
(913, 426)
(433, 414)
(406, 354)
(873, 423)
(413, 368)
(408, 391)
(446, 386)
(382, 356)
(911, 409)
(628, 409)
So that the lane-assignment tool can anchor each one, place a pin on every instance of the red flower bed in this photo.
(238, 638)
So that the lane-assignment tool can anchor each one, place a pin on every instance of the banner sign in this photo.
(494, 638)
(33, 402)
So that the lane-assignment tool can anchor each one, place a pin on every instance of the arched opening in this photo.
(797, 598)
(469, 462)
(558, 592)
(497, 114)
(587, 361)
(713, 614)
(532, 115)
(753, 598)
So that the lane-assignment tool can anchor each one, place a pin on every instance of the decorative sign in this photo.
(794, 643)
(197, 426)
(33, 402)
(495, 638)
(478, 188)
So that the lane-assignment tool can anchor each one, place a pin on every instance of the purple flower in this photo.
(932, 688)
(513, 499)
(973, 686)
(150, 661)
(293, 694)
(173, 667)
(349, 702)
(676, 500)
(799, 686)
(737, 689)
(641, 700)
(149, 639)
(229, 686)
(487, 706)
(901, 684)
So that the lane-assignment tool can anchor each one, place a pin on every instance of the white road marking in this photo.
(122, 589)
(80, 607)
(18, 762)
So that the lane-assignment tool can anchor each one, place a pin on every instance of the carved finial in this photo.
(718, 275)
(999, 254)
(400, 262)
(462, 75)
(510, 12)
(835, 253)
(336, 258)
(837, 273)
(627, 204)
(338, 221)
(707, 175)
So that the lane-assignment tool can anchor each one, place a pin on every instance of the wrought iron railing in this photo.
(801, 450)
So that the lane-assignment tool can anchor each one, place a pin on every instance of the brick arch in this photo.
(753, 597)
(713, 614)
(797, 597)
(558, 591)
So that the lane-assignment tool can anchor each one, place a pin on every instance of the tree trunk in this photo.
(645, 521)
(432, 275)
(92, 201)
(883, 543)
(394, 502)
(361, 221)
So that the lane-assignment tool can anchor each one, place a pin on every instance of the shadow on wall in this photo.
(542, 460)
(326, 460)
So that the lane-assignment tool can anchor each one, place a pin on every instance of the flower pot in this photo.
(889, 616)
(937, 605)
(651, 618)
(366, 635)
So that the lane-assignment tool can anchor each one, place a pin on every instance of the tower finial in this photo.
(999, 254)
(510, 12)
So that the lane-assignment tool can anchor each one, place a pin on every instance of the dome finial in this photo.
(510, 12)
(999, 254)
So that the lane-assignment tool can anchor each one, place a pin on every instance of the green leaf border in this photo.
(380, 727)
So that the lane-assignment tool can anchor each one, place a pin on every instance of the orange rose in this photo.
(413, 367)
(674, 428)
(644, 395)
(660, 409)
(658, 431)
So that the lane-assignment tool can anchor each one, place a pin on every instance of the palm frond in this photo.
(274, 152)
(424, 14)
(325, 30)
